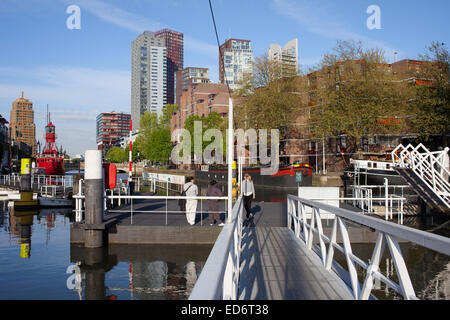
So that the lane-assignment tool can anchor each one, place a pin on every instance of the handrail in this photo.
(80, 197)
(387, 236)
(219, 279)
(428, 166)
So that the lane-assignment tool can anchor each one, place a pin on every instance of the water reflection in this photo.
(428, 270)
(38, 262)
(137, 272)
(20, 223)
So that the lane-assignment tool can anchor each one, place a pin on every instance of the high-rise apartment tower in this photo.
(148, 76)
(174, 43)
(287, 56)
(235, 59)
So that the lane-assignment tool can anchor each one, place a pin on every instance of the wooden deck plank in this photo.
(276, 266)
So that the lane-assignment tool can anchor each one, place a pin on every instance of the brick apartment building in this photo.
(337, 150)
(201, 99)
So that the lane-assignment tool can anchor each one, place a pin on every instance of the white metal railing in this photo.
(219, 279)
(363, 199)
(430, 167)
(37, 181)
(79, 204)
(52, 191)
(388, 233)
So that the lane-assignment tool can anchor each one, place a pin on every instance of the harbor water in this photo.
(37, 262)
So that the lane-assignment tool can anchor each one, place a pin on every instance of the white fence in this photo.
(219, 279)
(388, 234)
(431, 167)
(39, 180)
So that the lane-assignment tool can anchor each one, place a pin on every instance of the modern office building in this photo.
(111, 127)
(22, 130)
(287, 56)
(188, 76)
(148, 76)
(174, 42)
(235, 59)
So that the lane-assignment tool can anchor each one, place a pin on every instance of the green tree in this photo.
(356, 95)
(167, 112)
(117, 155)
(153, 142)
(160, 145)
(265, 99)
(148, 123)
(213, 121)
(432, 103)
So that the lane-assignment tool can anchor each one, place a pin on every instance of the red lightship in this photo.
(50, 159)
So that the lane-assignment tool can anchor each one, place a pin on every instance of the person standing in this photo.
(191, 190)
(213, 204)
(248, 192)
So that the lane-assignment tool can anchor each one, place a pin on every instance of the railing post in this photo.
(400, 266)
(386, 191)
(374, 266)
(348, 252)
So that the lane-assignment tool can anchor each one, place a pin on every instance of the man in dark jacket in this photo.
(213, 205)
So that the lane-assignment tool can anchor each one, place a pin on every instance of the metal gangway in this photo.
(426, 171)
(305, 256)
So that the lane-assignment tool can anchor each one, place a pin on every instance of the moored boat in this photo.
(287, 176)
(50, 159)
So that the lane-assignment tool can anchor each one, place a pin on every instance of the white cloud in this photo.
(320, 19)
(136, 23)
(115, 15)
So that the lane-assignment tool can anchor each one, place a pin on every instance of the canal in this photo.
(38, 262)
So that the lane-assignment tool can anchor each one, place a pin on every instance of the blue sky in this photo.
(81, 73)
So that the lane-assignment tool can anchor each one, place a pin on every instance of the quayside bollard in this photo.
(93, 179)
(26, 192)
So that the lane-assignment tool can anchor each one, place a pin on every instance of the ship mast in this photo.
(50, 138)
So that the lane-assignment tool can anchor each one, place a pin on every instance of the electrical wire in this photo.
(221, 55)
